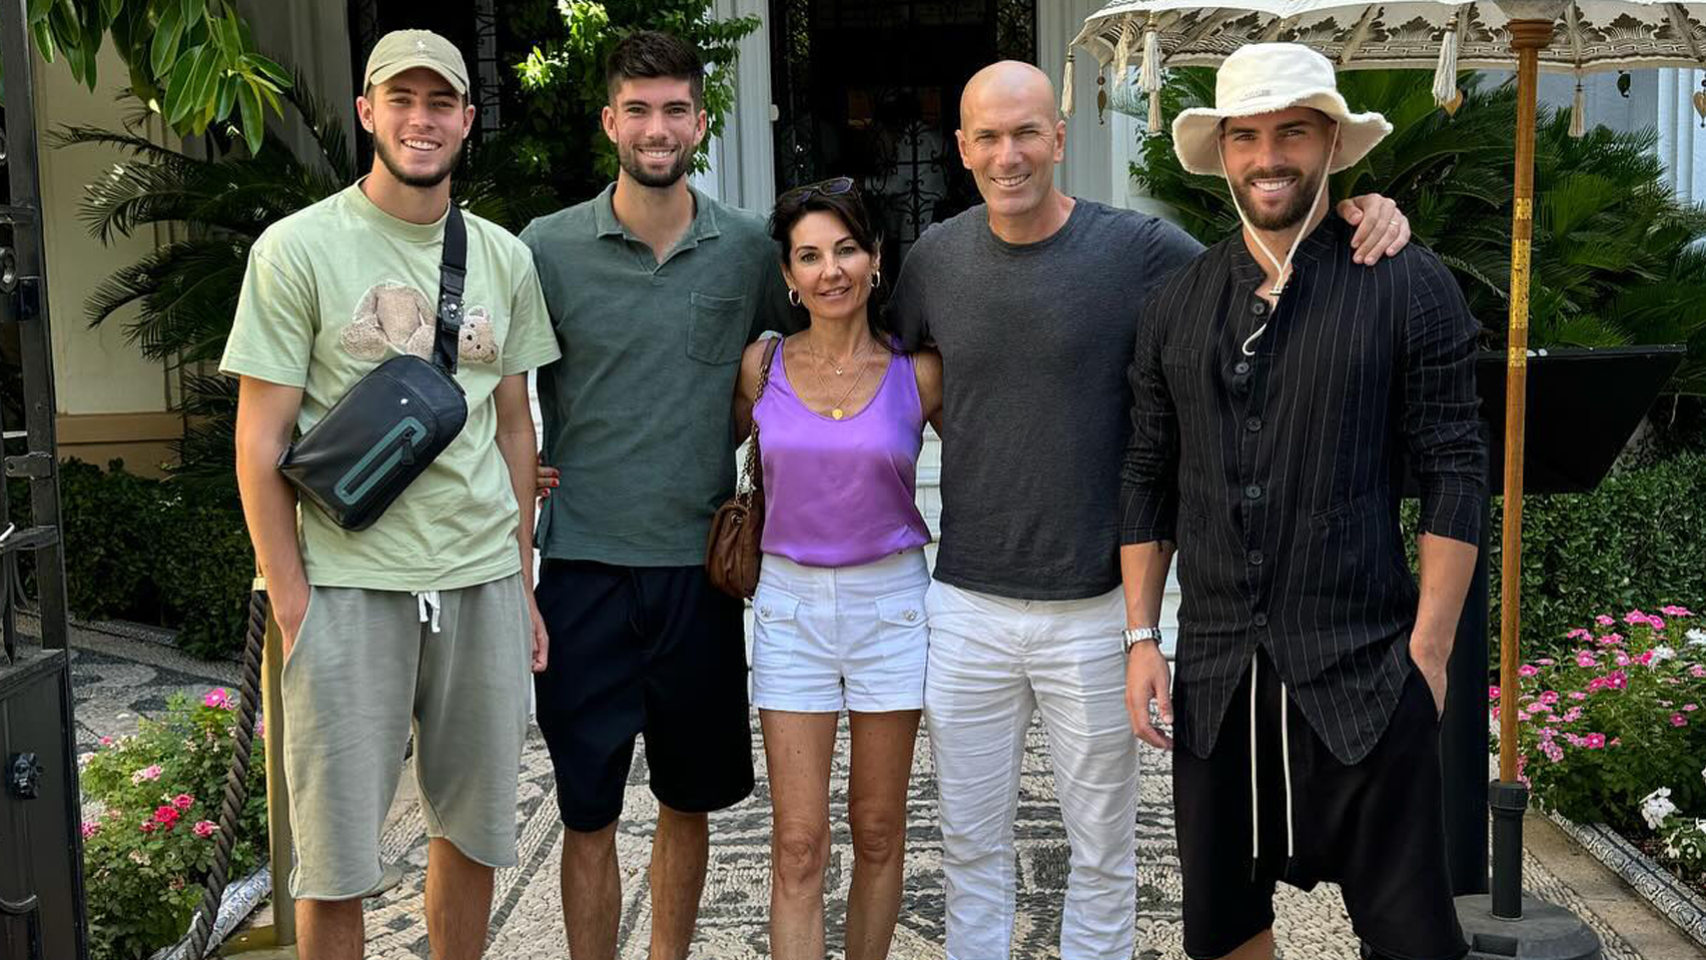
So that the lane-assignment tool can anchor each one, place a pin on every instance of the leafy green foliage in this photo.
(553, 121)
(146, 855)
(153, 551)
(190, 61)
(1615, 260)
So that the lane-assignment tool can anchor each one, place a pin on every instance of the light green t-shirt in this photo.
(334, 290)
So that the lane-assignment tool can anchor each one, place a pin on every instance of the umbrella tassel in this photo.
(1122, 52)
(1578, 112)
(1149, 74)
(1066, 86)
(1445, 74)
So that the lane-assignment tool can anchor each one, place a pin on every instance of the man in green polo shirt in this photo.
(654, 290)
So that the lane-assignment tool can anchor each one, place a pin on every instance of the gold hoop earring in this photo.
(793, 296)
(876, 279)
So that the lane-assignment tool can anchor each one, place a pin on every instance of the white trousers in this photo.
(992, 662)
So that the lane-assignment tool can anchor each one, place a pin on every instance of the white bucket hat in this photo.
(1267, 78)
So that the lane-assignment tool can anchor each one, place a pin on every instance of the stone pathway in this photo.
(118, 679)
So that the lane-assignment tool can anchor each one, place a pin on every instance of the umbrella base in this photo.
(1545, 932)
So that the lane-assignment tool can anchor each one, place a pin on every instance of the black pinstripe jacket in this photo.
(1278, 474)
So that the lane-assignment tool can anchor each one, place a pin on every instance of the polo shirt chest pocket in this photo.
(716, 328)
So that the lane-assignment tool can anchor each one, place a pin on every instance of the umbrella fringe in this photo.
(1066, 86)
(1122, 52)
(1149, 75)
(1445, 74)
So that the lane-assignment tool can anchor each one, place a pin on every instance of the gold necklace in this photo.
(858, 351)
(838, 409)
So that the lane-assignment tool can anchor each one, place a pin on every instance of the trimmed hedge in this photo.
(1639, 541)
(153, 551)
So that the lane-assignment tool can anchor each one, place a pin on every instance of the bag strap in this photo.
(752, 474)
(452, 276)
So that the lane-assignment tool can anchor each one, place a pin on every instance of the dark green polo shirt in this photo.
(638, 411)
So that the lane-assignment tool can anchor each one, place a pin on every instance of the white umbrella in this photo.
(1524, 35)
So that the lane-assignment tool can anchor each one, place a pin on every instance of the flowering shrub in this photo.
(146, 854)
(1615, 731)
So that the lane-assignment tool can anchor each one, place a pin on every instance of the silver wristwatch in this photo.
(1132, 636)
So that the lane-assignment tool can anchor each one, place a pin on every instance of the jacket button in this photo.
(1254, 424)
(1258, 307)
(1261, 619)
(910, 615)
(1253, 491)
(764, 611)
(1241, 368)
(1256, 558)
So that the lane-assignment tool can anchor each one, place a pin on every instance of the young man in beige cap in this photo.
(426, 618)
(1278, 388)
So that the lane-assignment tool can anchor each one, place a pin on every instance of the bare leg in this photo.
(458, 902)
(798, 749)
(592, 893)
(1258, 947)
(329, 929)
(876, 804)
(679, 853)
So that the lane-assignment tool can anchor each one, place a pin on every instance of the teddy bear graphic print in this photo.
(395, 318)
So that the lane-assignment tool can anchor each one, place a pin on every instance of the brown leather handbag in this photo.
(732, 551)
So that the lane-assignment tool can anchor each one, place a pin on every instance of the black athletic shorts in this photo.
(656, 651)
(1374, 827)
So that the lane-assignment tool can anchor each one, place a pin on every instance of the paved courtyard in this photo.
(118, 679)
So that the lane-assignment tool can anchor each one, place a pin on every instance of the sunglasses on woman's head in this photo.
(833, 187)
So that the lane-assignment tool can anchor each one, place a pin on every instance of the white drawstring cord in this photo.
(428, 599)
(1255, 799)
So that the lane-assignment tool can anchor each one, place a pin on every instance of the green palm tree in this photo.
(1616, 259)
(186, 290)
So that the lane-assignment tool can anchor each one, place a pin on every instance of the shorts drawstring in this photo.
(1285, 762)
(428, 600)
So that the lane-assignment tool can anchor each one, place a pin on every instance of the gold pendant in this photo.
(837, 413)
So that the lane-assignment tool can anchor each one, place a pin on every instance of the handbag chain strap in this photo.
(752, 475)
(452, 277)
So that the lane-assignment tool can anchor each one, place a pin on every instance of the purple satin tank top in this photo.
(841, 492)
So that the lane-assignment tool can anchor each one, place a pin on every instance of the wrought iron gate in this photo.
(41, 875)
(871, 89)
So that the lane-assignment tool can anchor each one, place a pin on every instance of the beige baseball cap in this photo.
(402, 50)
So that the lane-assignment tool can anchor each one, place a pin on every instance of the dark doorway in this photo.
(871, 89)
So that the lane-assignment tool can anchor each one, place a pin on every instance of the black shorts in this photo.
(1375, 827)
(642, 650)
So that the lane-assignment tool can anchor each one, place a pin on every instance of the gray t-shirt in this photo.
(638, 412)
(1035, 341)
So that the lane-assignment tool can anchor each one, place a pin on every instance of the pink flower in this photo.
(261, 727)
(1595, 741)
(1634, 616)
(1585, 659)
(146, 773)
(106, 741)
(1697, 671)
(148, 826)
(1615, 742)
(166, 816)
(217, 697)
(1574, 740)
(1616, 680)
(1604, 620)
(1527, 670)
(1623, 659)
(1547, 733)
(1673, 610)
(1553, 752)
(1645, 659)
(1549, 697)
(1578, 633)
(1493, 693)
(1574, 714)
(1578, 695)
(1546, 661)
(1690, 707)
(1655, 623)
(1678, 720)
(90, 828)
(183, 801)
(205, 828)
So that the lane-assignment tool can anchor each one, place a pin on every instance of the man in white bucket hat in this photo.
(1278, 389)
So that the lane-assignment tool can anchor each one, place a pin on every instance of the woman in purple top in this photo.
(839, 610)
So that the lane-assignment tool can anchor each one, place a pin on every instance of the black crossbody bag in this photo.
(396, 420)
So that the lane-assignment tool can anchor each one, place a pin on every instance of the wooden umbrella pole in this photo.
(1528, 38)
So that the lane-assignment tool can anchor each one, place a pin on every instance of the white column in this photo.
(743, 165)
(1088, 169)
